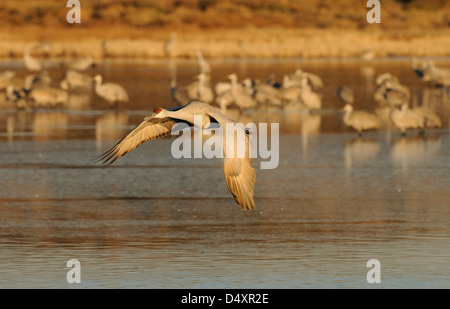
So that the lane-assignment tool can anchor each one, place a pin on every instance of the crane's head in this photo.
(232, 76)
(64, 84)
(348, 108)
(98, 78)
(159, 113)
(404, 106)
(389, 84)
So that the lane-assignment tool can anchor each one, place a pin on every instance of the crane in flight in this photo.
(239, 172)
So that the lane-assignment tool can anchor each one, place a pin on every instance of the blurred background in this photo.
(252, 28)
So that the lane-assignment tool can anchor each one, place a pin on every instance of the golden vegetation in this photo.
(238, 28)
(396, 14)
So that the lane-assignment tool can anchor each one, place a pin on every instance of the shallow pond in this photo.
(334, 202)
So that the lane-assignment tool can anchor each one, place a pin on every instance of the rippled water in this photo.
(334, 202)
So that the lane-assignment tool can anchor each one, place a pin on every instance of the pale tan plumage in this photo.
(198, 90)
(406, 118)
(431, 119)
(241, 98)
(419, 117)
(239, 172)
(204, 66)
(428, 72)
(31, 63)
(390, 92)
(5, 79)
(48, 97)
(308, 97)
(204, 91)
(170, 45)
(267, 94)
(76, 80)
(82, 64)
(179, 94)
(360, 120)
(148, 129)
(345, 94)
(110, 92)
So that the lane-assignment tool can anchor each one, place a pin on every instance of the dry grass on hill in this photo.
(227, 28)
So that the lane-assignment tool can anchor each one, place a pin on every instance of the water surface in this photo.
(151, 221)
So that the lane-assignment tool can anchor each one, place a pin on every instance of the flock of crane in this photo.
(299, 90)
(393, 100)
(36, 90)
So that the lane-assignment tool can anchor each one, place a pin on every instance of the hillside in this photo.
(252, 28)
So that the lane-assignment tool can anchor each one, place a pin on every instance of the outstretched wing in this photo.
(240, 178)
(150, 128)
(239, 172)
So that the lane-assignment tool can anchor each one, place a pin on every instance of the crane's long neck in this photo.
(305, 86)
(200, 58)
(199, 120)
(173, 83)
(98, 83)
(347, 112)
(233, 81)
(404, 107)
(201, 85)
(347, 117)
